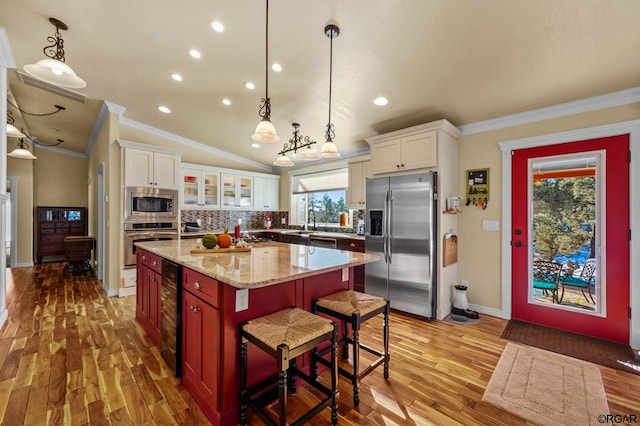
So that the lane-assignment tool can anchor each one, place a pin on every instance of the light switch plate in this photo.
(490, 225)
(242, 299)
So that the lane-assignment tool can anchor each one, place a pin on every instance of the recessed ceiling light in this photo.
(276, 67)
(255, 145)
(195, 54)
(217, 26)
(381, 101)
(226, 101)
(164, 109)
(249, 85)
(176, 76)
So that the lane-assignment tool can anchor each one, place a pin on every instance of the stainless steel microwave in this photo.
(150, 204)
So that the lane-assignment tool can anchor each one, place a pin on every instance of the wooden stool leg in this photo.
(283, 365)
(334, 376)
(293, 367)
(243, 383)
(356, 360)
(385, 328)
(345, 349)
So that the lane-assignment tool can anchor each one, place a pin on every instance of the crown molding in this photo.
(623, 97)
(6, 54)
(61, 151)
(191, 143)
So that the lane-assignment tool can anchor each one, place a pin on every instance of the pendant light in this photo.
(300, 146)
(265, 130)
(12, 131)
(22, 151)
(53, 69)
(329, 148)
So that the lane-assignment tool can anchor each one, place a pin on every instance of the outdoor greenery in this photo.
(326, 210)
(563, 216)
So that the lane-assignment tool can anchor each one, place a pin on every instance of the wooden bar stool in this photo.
(354, 308)
(285, 335)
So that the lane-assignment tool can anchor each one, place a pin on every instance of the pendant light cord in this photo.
(266, 55)
(330, 73)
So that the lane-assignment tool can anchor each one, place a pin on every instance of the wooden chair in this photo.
(546, 275)
(585, 281)
(78, 254)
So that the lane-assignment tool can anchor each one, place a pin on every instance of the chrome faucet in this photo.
(314, 218)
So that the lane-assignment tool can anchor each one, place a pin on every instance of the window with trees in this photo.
(319, 196)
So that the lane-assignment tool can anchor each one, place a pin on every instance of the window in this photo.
(319, 195)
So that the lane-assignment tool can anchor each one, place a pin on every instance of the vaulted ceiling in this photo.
(463, 60)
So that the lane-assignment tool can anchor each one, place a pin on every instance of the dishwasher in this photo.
(325, 242)
(171, 318)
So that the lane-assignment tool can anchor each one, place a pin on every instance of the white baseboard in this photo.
(126, 291)
(23, 265)
(487, 311)
(3, 317)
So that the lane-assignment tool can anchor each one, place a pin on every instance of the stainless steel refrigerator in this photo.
(401, 228)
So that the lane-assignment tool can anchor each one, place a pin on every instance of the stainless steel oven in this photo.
(137, 232)
(150, 204)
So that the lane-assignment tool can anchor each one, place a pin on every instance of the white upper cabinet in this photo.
(357, 190)
(237, 191)
(266, 193)
(418, 151)
(149, 168)
(200, 188)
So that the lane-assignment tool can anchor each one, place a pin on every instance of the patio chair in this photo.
(586, 280)
(545, 277)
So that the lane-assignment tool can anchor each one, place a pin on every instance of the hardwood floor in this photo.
(70, 355)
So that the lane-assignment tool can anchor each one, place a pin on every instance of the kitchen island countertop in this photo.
(266, 264)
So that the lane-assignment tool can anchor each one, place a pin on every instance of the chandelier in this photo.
(295, 144)
(53, 69)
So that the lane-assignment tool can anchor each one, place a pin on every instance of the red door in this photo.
(609, 317)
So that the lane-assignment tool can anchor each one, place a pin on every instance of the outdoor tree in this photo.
(563, 215)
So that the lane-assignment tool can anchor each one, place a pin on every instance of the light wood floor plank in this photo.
(70, 355)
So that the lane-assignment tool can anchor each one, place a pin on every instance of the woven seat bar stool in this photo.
(284, 335)
(354, 308)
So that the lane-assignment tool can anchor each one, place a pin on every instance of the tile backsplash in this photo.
(215, 220)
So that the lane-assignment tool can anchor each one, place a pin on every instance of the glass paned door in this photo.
(570, 250)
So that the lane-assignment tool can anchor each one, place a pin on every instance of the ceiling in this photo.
(462, 60)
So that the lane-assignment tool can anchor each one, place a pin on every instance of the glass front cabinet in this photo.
(237, 191)
(200, 189)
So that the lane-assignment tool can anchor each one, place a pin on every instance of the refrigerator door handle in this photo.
(384, 227)
(389, 226)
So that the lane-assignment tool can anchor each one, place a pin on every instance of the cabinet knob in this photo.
(397, 166)
(197, 285)
(402, 165)
(195, 308)
(155, 263)
(352, 245)
(150, 183)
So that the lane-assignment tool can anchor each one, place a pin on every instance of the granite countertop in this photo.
(347, 235)
(266, 264)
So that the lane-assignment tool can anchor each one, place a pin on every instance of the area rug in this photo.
(547, 388)
(599, 351)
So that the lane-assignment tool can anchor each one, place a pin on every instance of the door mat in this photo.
(546, 388)
(599, 351)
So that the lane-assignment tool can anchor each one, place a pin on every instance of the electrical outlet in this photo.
(345, 274)
(283, 221)
(464, 283)
(242, 299)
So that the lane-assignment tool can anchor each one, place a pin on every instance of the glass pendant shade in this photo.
(55, 72)
(329, 150)
(22, 152)
(265, 132)
(283, 161)
(13, 132)
(308, 154)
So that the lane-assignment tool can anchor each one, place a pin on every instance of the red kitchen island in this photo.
(219, 291)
